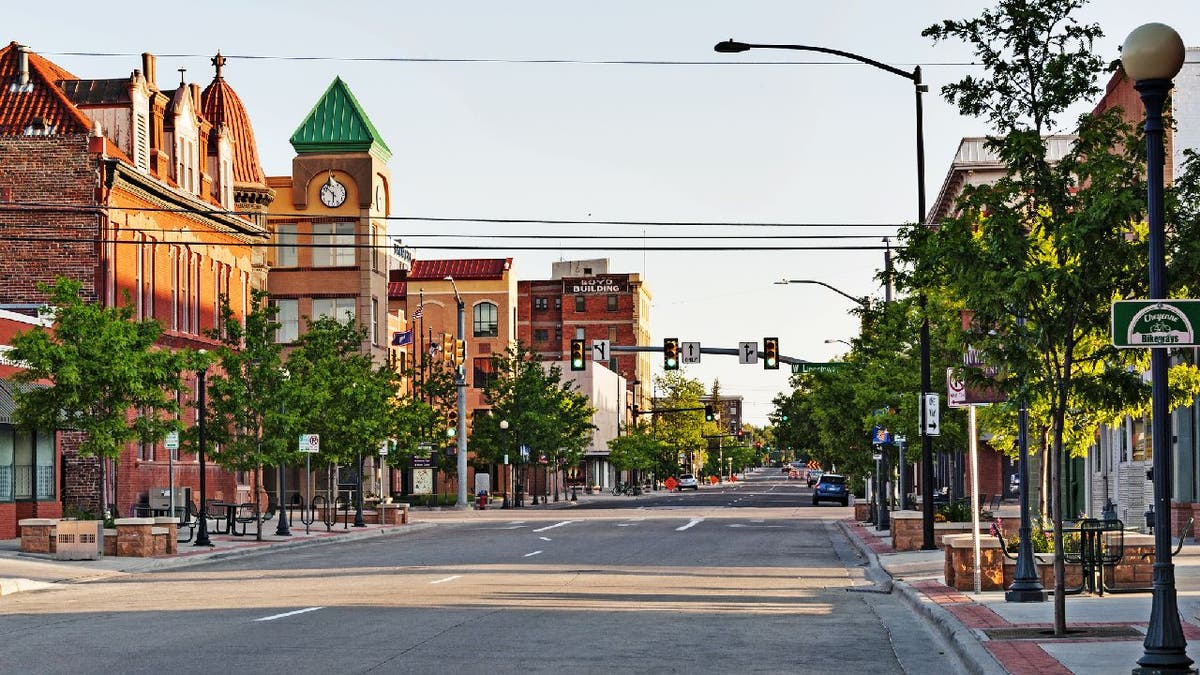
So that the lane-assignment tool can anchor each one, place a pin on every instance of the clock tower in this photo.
(329, 223)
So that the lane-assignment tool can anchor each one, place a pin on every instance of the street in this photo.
(747, 577)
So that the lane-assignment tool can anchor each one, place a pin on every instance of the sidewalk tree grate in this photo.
(1073, 633)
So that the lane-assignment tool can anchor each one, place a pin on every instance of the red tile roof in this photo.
(397, 289)
(221, 105)
(45, 100)
(474, 268)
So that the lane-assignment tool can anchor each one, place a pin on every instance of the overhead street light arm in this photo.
(862, 302)
(732, 47)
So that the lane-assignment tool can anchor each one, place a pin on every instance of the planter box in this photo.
(862, 511)
(908, 530)
(996, 570)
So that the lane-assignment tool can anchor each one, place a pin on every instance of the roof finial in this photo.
(219, 62)
(181, 72)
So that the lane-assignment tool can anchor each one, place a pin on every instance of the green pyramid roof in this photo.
(337, 123)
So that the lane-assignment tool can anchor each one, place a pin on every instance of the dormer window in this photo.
(38, 127)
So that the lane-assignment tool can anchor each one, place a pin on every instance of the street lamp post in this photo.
(1026, 585)
(282, 530)
(1152, 55)
(460, 383)
(202, 524)
(507, 466)
(919, 88)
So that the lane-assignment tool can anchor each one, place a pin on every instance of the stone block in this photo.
(172, 527)
(38, 535)
(135, 538)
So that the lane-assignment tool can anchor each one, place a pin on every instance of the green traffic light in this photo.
(451, 432)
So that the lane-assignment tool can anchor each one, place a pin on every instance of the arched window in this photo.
(485, 320)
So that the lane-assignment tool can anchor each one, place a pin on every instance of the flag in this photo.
(399, 339)
(418, 312)
(434, 348)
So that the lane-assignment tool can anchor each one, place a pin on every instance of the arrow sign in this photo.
(600, 350)
(691, 352)
(748, 352)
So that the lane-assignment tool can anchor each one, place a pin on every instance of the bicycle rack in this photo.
(344, 505)
(309, 516)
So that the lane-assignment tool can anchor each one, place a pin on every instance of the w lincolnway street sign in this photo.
(1155, 323)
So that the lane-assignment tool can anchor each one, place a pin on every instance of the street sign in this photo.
(956, 391)
(422, 481)
(880, 435)
(1155, 323)
(600, 350)
(877, 456)
(383, 449)
(748, 352)
(810, 367)
(172, 441)
(691, 352)
(421, 462)
(310, 442)
(932, 421)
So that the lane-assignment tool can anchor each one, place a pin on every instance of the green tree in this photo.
(341, 394)
(637, 450)
(1053, 242)
(249, 416)
(683, 433)
(108, 379)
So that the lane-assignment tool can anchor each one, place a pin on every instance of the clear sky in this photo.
(500, 137)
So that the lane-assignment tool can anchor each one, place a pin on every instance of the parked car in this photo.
(793, 474)
(832, 488)
(813, 476)
(687, 482)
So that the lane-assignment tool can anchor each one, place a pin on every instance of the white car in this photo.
(687, 482)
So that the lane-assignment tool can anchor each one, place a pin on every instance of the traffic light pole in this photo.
(460, 382)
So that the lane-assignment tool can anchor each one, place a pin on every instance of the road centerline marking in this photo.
(442, 581)
(691, 523)
(545, 538)
(530, 555)
(551, 527)
(280, 616)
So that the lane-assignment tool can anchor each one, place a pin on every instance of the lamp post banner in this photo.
(1155, 323)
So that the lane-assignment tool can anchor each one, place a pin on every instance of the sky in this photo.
(478, 129)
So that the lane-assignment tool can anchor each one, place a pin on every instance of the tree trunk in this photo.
(258, 502)
(1060, 572)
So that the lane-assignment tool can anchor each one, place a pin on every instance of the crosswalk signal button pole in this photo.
(671, 354)
(577, 362)
(771, 353)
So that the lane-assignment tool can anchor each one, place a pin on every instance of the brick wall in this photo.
(80, 482)
(55, 169)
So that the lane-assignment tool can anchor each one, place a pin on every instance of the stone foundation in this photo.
(38, 535)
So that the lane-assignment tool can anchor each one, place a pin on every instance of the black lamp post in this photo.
(728, 47)
(282, 530)
(1027, 584)
(1152, 55)
(202, 526)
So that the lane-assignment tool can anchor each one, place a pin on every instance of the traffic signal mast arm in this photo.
(728, 351)
(655, 411)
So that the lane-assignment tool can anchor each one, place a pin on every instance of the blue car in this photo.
(831, 488)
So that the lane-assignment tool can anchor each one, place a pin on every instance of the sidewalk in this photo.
(991, 635)
(33, 571)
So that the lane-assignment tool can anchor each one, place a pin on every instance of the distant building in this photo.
(582, 299)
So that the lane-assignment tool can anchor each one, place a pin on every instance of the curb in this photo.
(140, 565)
(966, 645)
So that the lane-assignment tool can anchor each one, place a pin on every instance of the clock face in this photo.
(333, 193)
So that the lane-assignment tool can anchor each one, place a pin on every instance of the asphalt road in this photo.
(745, 578)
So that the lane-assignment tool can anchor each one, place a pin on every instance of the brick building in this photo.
(582, 300)
(132, 190)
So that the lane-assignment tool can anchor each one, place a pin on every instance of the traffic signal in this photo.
(452, 424)
(577, 362)
(771, 353)
(460, 352)
(447, 347)
(671, 354)
(708, 413)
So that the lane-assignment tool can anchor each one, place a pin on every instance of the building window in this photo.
(333, 245)
(558, 334)
(612, 303)
(558, 304)
(483, 370)
(374, 250)
(1143, 440)
(341, 309)
(580, 303)
(579, 333)
(612, 334)
(374, 321)
(285, 249)
(541, 304)
(541, 335)
(26, 464)
(485, 320)
(288, 319)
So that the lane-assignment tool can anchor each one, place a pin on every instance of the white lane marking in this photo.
(691, 523)
(510, 527)
(624, 524)
(280, 616)
(530, 555)
(551, 527)
(754, 526)
(545, 538)
(442, 581)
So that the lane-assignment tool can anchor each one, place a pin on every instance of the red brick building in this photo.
(134, 191)
(582, 300)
